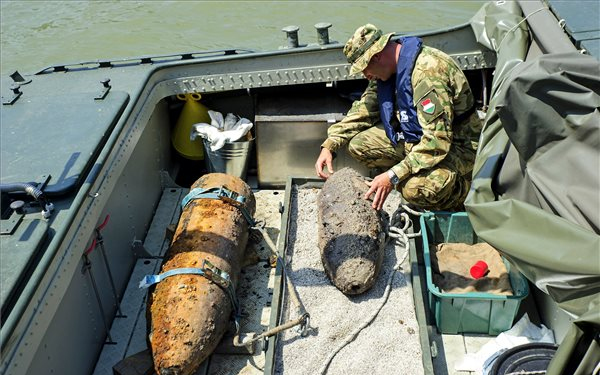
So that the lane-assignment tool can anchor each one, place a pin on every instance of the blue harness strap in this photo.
(150, 280)
(210, 272)
(223, 194)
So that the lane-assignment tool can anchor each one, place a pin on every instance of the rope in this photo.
(512, 29)
(401, 239)
(411, 211)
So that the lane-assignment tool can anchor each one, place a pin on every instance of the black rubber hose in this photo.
(30, 189)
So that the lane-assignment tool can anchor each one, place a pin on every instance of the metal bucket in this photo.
(231, 159)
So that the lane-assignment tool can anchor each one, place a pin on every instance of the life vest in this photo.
(400, 91)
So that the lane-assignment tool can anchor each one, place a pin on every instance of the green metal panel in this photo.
(56, 135)
(19, 254)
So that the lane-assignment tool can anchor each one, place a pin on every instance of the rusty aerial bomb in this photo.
(351, 233)
(189, 313)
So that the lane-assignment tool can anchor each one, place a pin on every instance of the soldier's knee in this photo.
(371, 150)
(422, 196)
(354, 148)
(358, 148)
(440, 190)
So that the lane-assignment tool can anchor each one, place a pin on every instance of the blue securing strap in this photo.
(149, 280)
(223, 194)
(210, 272)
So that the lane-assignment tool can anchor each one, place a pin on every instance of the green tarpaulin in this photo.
(536, 189)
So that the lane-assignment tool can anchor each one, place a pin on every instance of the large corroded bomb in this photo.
(189, 313)
(351, 233)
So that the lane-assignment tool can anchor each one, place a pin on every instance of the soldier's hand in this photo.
(325, 159)
(381, 187)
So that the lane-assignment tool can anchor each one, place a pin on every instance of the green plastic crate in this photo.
(467, 312)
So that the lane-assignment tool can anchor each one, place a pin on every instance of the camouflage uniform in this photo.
(434, 173)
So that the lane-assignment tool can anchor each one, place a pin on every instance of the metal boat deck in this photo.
(258, 286)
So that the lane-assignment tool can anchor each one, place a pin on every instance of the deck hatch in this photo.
(57, 135)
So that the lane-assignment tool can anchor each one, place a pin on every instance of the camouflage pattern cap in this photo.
(366, 42)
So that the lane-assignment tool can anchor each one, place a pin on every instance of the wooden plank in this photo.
(167, 212)
(137, 364)
(156, 243)
(141, 364)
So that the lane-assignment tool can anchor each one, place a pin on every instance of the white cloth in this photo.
(522, 332)
(221, 131)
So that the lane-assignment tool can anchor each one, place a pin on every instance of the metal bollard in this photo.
(292, 35)
(323, 33)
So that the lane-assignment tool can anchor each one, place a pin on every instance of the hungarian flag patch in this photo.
(428, 106)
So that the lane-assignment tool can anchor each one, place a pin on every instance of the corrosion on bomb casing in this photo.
(351, 233)
(188, 313)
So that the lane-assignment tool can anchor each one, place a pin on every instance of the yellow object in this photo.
(192, 113)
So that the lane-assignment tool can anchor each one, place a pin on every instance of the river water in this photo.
(37, 34)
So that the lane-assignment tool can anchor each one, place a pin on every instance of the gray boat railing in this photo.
(141, 60)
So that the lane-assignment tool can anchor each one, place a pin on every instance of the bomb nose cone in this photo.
(355, 276)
